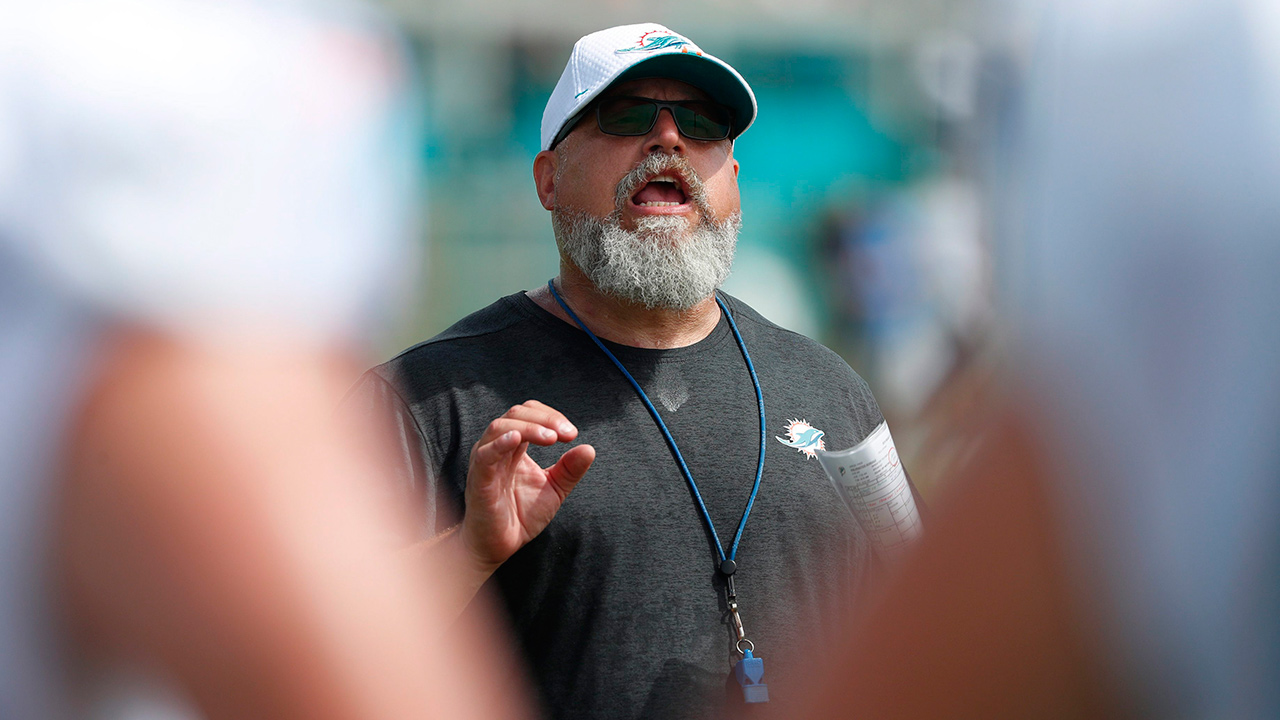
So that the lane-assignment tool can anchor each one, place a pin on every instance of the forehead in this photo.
(658, 89)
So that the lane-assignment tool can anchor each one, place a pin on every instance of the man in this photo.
(620, 595)
(199, 200)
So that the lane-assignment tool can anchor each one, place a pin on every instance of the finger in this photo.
(497, 450)
(532, 432)
(543, 414)
(570, 468)
(513, 459)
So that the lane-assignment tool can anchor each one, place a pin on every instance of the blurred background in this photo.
(891, 211)
(864, 224)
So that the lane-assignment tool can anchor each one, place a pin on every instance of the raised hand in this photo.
(509, 497)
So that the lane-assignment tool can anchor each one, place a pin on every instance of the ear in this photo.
(729, 156)
(544, 177)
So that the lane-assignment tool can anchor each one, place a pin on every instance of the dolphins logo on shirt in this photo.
(803, 437)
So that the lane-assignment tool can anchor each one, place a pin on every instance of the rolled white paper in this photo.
(870, 479)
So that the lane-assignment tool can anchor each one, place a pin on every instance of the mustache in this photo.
(659, 164)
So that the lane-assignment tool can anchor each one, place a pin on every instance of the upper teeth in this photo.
(661, 203)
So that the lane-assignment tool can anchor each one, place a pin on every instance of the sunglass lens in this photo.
(704, 120)
(626, 116)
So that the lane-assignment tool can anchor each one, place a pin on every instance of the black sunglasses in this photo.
(696, 119)
(630, 116)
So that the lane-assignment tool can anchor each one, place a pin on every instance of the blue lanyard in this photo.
(727, 562)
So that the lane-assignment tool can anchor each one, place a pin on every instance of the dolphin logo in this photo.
(803, 437)
(657, 42)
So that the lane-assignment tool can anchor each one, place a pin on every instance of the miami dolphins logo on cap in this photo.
(656, 40)
(803, 437)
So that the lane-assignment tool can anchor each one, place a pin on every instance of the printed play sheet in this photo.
(870, 478)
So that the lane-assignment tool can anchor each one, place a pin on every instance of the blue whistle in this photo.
(750, 675)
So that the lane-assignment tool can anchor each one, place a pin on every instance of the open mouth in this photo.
(661, 191)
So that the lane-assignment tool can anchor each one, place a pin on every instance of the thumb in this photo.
(570, 468)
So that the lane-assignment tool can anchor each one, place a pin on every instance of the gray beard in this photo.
(663, 263)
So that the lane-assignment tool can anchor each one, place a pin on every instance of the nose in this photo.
(665, 137)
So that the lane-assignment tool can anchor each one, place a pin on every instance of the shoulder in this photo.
(777, 350)
(805, 378)
(773, 339)
(476, 338)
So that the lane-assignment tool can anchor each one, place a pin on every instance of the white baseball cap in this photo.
(630, 52)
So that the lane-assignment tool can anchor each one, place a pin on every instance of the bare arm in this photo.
(216, 524)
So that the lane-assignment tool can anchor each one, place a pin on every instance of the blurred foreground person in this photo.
(1115, 548)
(199, 205)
